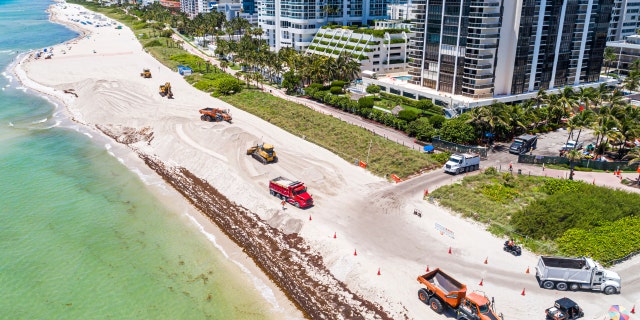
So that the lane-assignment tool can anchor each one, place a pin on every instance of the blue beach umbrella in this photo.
(428, 148)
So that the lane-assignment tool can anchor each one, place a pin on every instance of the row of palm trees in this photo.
(601, 109)
(237, 38)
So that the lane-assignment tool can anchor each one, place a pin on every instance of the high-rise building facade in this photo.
(488, 48)
(624, 19)
(193, 7)
(293, 23)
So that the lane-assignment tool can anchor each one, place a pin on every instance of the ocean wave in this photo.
(88, 134)
(39, 121)
(11, 124)
(262, 287)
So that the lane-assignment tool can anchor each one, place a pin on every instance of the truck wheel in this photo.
(561, 286)
(574, 287)
(296, 204)
(202, 118)
(273, 193)
(436, 305)
(457, 171)
(275, 159)
(423, 296)
(610, 290)
(209, 118)
(548, 285)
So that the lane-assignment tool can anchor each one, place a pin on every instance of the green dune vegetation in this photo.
(548, 215)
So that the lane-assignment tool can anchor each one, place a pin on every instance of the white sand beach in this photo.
(101, 73)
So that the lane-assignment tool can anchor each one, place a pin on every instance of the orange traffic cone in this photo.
(334, 235)
(522, 292)
(486, 260)
(427, 268)
(355, 253)
(310, 218)
(527, 272)
(481, 281)
(633, 310)
(449, 250)
(426, 192)
(378, 271)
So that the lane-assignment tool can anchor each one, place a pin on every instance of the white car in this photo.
(572, 145)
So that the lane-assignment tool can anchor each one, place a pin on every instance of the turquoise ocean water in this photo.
(80, 237)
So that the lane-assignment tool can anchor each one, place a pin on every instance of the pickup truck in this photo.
(575, 274)
(462, 162)
(443, 291)
(293, 192)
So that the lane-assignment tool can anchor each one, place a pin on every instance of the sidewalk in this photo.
(603, 179)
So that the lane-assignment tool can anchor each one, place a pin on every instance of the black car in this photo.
(564, 309)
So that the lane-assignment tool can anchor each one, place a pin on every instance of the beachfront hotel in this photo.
(624, 19)
(293, 23)
(469, 53)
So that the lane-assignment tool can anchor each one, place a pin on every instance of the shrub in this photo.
(491, 171)
(153, 43)
(442, 157)
(338, 83)
(408, 115)
(365, 102)
(437, 121)
(336, 90)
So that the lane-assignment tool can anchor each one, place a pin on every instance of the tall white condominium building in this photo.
(624, 19)
(193, 7)
(490, 48)
(293, 23)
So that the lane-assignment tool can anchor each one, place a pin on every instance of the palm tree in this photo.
(632, 82)
(582, 120)
(573, 156)
(517, 118)
(609, 56)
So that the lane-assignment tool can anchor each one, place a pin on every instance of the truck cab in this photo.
(523, 144)
(476, 306)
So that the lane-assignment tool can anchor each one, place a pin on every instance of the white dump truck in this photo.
(576, 274)
(462, 162)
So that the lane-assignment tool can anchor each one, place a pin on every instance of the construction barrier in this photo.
(395, 178)
(362, 164)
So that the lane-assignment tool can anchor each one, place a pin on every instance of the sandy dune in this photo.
(366, 213)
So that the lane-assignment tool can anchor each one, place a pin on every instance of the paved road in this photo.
(498, 158)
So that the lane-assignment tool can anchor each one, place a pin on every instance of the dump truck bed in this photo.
(450, 290)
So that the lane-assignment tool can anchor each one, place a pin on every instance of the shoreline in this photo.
(165, 193)
(303, 292)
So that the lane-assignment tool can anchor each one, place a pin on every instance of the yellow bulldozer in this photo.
(165, 90)
(146, 73)
(263, 153)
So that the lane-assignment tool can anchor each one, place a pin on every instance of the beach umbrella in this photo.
(617, 312)
(428, 148)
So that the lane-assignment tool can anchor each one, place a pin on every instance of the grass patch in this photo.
(347, 141)
(549, 215)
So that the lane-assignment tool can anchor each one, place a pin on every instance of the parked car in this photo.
(572, 145)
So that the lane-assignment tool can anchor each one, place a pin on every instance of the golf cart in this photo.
(564, 309)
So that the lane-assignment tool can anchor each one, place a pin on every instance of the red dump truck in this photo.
(442, 291)
(293, 192)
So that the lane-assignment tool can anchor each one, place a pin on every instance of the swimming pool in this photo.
(403, 78)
